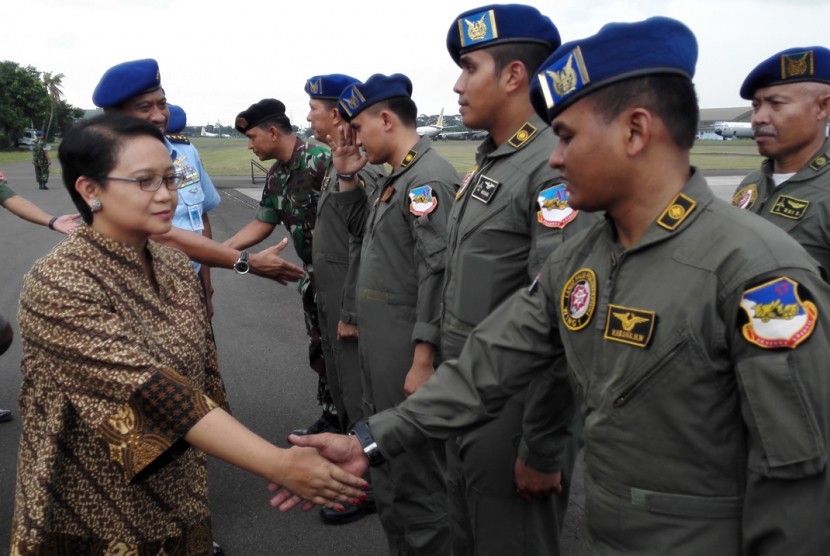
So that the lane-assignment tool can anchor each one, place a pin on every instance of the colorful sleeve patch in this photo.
(555, 211)
(745, 197)
(778, 318)
(423, 200)
(579, 299)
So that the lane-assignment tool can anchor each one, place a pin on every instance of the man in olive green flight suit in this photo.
(790, 112)
(697, 335)
(399, 290)
(511, 213)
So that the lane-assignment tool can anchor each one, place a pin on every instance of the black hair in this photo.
(281, 122)
(329, 103)
(671, 97)
(90, 148)
(403, 107)
(531, 55)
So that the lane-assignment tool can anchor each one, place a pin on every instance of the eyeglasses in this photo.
(171, 181)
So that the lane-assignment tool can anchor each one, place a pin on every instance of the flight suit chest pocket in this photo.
(787, 441)
(191, 193)
(431, 244)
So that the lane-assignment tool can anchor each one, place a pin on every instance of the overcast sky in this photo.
(219, 56)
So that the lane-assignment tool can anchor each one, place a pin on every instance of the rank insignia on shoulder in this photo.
(525, 134)
(746, 196)
(790, 207)
(819, 162)
(629, 326)
(407, 160)
(677, 211)
(778, 318)
(485, 189)
(579, 299)
(422, 200)
(466, 181)
(181, 139)
(555, 211)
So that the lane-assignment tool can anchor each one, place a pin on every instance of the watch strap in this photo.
(367, 442)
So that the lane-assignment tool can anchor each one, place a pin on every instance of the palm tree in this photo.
(53, 87)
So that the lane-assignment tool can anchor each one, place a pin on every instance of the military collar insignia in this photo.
(629, 326)
(677, 211)
(466, 181)
(778, 318)
(554, 209)
(407, 160)
(523, 135)
(181, 139)
(485, 189)
(422, 200)
(579, 299)
(567, 76)
(790, 207)
(819, 162)
(797, 65)
(746, 196)
(478, 28)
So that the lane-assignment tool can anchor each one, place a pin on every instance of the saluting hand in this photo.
(346, 155)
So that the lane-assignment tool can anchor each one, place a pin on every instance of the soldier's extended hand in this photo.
(269, 264)
(345, 152)
(66, 223)
(535, 485)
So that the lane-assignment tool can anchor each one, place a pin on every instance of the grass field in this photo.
(230, 157)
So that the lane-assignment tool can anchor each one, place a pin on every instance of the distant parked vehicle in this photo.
(28, 139)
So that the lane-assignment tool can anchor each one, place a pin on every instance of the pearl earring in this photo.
(95, 205)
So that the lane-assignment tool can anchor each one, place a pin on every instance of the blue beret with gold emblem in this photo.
(126, 80)
(177, 121)
(359, 96)
(809, 63)
(500, 24)
(328, 87)
(658, 45)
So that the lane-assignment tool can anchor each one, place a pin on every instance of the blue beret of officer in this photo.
(266, 110)
(125, 81)
(500, 24)
(39, 133)
(329, 86)
(619, 51)
(178, 119)
(809, 63)
(359, 96)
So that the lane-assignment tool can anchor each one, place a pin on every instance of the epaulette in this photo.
(178, 139)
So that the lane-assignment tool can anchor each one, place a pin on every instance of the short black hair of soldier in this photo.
(328, 103)
(281, 122)
(403, 107)
(671, 97)
(91, 147)
(531, 55)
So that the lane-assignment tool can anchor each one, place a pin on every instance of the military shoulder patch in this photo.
(819, 162)
(629, 326)
(555, 211)
(746, 196)
(407, 160)
(523, 135)
(778, 318)
(677, 211)
(181, 139)
(790, 207)
(466, 181)
(485, 189)
(579, 299)
(422, 200)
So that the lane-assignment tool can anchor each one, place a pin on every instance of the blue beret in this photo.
(328, 86)
(125, 81)
(266, 110)
(38, 133)
(178, 119)
(356, 98)
(809, 63)
(619, 51)
(499, 24)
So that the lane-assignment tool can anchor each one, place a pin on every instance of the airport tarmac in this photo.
(263, 357)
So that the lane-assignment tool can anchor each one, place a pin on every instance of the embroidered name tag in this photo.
(629, 326)
(485, 189)
(579, 299)
(777, 315)
(790, 207)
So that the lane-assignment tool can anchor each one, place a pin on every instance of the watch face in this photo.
(241, 267)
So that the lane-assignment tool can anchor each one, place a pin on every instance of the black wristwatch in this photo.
(241, 266)
(367, 442)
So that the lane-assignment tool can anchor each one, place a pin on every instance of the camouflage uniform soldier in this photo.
(40, 158)
(290, 195)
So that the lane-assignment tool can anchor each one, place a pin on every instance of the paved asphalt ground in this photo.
(263, 357)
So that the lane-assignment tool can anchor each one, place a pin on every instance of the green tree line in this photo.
(31, 98)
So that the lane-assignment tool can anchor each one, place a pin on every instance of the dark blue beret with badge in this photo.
(359, 96)
(500, 24)
(328, 87)
(619, 51)
(126, 80)
(809, 63)
(178, 119)
(268, 109)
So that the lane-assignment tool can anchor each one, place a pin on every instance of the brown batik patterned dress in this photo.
(114, 375)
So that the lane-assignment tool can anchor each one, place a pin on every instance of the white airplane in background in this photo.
(206, 134)
(739, 130)
(432, 131)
